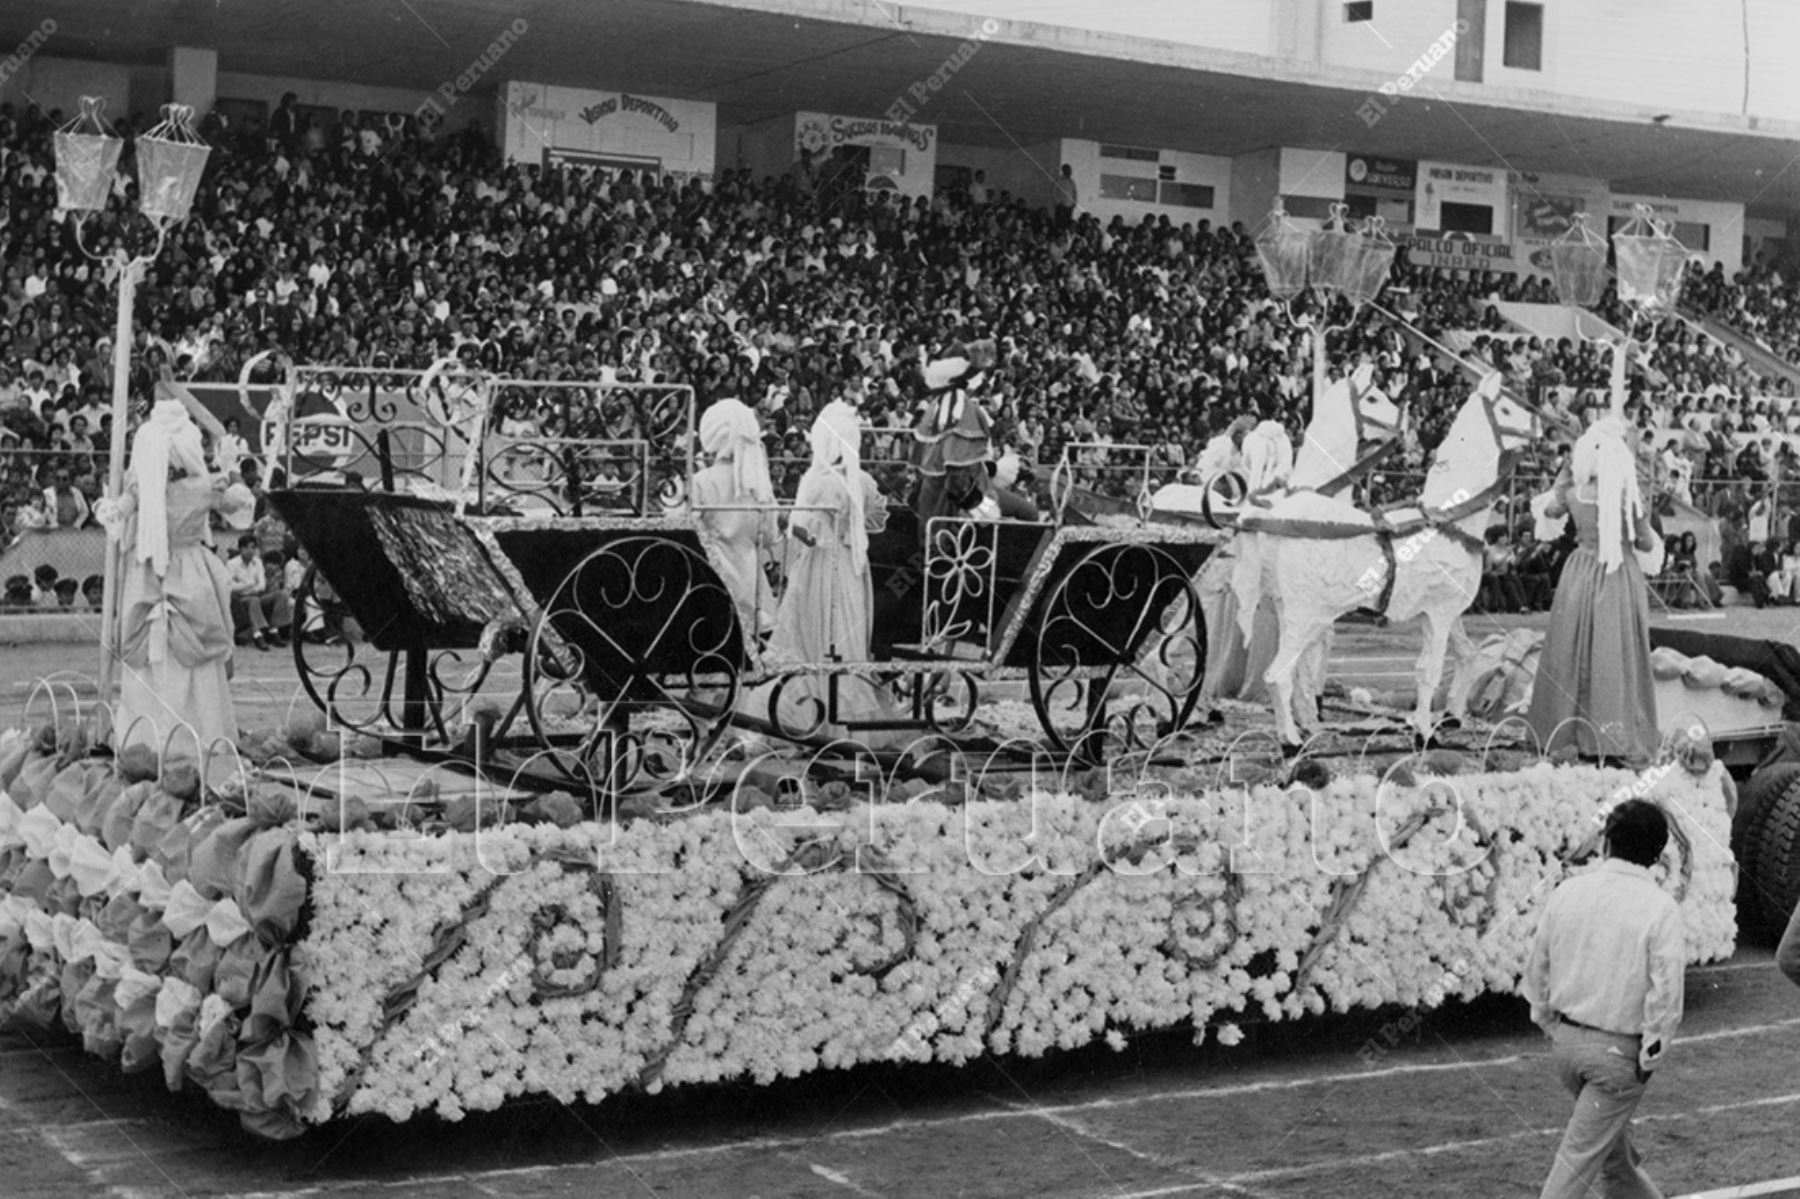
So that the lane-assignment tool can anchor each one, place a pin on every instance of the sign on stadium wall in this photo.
(1441, 183)
(676, 136)
(1544, 208)
(903, 156)
(1370, 172)
(1459, 252)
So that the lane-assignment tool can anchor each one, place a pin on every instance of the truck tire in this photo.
(1755, 800)
(1776, 876)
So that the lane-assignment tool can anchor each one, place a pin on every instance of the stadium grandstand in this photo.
(793, 201)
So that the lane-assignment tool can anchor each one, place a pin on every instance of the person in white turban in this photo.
(825, 608)
(827, 603)
(175, 632)
(1594, 690)
(733, 502)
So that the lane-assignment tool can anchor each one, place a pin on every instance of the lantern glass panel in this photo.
(1335, 260)
(1579, 271)
(85, 163)
(168, 176)
(1285, 253)
(1650, 270)
(1373, 260)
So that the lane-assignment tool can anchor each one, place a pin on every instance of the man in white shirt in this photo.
(1605, 981)
(256, 603)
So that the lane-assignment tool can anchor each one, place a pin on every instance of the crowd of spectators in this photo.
(371, 244)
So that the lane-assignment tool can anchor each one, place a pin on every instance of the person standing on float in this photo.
(734, 505)
(1594, 690)
(175, 635)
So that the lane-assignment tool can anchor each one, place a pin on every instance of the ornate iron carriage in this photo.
(548, 600)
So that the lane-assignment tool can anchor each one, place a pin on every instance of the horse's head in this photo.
(1377, 417)
(1512, 424)
(1515, 425)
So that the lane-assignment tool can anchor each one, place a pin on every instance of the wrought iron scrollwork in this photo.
(960, 586)
(1121, 654)
(633, 668)
(372, 696)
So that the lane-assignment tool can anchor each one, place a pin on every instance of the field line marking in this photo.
(1748, 1190)
(1481, 1142)
(843, 1180)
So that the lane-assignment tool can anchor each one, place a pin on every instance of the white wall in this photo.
(1655, 55)
(766, 147)
(1255, 182)
(1246, 26)
(1205, 169)
(59, 83)
(358, 97)
(1019, 172)
(1401, 31)
(1725, 242)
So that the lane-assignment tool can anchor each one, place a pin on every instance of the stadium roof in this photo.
(1032, 83)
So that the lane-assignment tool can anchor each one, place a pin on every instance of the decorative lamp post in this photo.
(1650, 266)
(170, 160)
(1336, 260)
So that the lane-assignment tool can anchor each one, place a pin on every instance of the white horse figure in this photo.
(1320, 558)
(1347, 414)
(1349, 417)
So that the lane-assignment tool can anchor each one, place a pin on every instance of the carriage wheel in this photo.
(1120, 654)
(634, 665)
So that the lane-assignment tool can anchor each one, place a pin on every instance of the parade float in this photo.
(552, 821)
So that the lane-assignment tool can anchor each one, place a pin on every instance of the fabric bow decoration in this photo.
(186, 910)
(40, 930)
(177, 999)
(111, 959)
(152, 887)
(37, 831)
(13, 914)
(225, 924)
(62, 849)
(63, 928)
(93, 869)
(85, 940)
(135, 986)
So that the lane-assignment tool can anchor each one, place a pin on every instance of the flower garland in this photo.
(299, 975)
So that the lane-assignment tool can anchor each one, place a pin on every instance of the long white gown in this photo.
(824, 615)
(736, 539)
(175, 639)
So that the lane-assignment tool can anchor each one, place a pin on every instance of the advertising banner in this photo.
(1459, 252)
(677, 136)
(1544, 208)
(1371, 173)
(902, 156)
(1441, 183)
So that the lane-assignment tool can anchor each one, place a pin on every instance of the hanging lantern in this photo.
(1334, 254)
(1650, 262)
(1578, 264)
(1371, 259)
(1285, 251)
(171, 158)
(87, 154)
